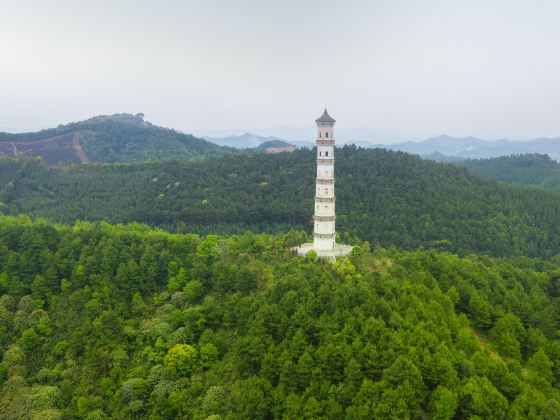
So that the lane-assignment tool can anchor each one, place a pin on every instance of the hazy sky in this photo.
(474, 67)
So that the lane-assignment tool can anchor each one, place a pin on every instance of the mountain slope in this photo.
(99, 321)
(114, 138)
(385, 197)
(533, 170)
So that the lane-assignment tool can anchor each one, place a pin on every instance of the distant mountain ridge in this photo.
(474, 148)
(243, 141)
(129, 138)
(442, 148)
(107, 139)
(251, 140)
(270, 144)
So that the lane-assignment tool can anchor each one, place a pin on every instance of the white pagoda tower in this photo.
(324, 232)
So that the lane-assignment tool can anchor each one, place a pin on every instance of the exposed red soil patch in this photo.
(64, 149)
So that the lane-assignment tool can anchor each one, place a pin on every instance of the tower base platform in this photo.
(340, 250)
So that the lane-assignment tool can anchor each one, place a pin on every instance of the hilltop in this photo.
(385, 197)
(108, 139)
(276, 146)
(101, 321)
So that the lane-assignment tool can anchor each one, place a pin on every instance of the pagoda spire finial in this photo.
(325, 118)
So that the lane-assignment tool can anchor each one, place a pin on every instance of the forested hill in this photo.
(114, 138)
(532, 169)
(388, 198)
(98, 321)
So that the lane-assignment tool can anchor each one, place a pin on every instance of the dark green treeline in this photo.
(384, 197)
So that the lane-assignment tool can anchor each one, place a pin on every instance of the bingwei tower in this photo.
(324, 233)
(324, 219)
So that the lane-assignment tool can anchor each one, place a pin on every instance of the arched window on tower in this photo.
(319, 134)
(326, 153)
(319, 153)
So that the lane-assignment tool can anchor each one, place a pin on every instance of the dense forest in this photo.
(534, 170)
(101, 321)
(111, 139)
(384, 197)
